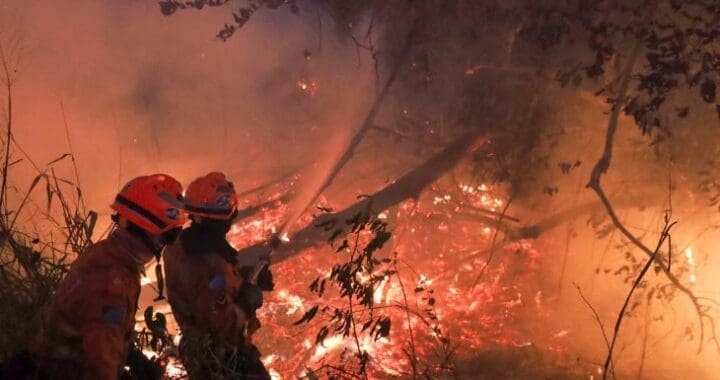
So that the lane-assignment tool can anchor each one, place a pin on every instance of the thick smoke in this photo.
(146, 93)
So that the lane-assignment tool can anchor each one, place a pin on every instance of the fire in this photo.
(268, 360)
(309, 87)
(175, 369)
(293, 302)
(691, 264)
(438, 304)
(328, 345)
(285, 237)
(274, 375)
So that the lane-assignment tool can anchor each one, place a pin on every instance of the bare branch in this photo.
(664, 235)
(599, 322)
(601, 168)
(367, 124)
(492, 245)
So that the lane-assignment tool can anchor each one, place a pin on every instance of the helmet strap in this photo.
(156, 247)
(155, 244)
(160, 280)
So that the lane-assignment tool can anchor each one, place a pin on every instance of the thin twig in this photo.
(621, 315)
(81, 202)
(601, 168)
(367, 124)
(8, 88)
(563, 268)
(413, 348)
(599, 322)
(646, 333)
(350, 302)
(492, 245)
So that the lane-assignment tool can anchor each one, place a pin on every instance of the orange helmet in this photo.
(153, 203)
(211, 196)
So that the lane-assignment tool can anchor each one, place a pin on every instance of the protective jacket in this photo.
(88, 326)
(201, 288)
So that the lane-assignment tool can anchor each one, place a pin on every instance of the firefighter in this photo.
(213, 304)
(88, 326)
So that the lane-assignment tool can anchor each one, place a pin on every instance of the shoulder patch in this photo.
(218, 282)
(113, 315)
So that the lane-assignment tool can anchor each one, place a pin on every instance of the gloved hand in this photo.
(250, 297)
(265, 280)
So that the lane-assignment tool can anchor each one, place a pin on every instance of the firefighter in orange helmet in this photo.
(211, 302)
(88, 326)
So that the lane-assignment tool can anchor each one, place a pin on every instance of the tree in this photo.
(651, 60)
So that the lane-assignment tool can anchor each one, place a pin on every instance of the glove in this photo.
(250, 297)
(265, 280)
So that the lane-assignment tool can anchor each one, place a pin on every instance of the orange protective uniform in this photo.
(201, 289)
(88, 326)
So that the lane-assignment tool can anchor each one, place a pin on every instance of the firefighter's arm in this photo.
(214, 304)
(104, 337)
(265, 279)
(103, 344)
(104, 327)
(251, 258)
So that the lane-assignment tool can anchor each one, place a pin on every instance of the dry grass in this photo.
(33, 260)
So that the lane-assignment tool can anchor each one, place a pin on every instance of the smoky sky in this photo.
(146, 93)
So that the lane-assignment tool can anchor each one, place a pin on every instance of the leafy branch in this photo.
(240, 17)
(664, 236)
(355, 279)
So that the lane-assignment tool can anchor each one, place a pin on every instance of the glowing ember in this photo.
(175, 369)
(309, 87)
(285, 237)
(440, 304)
(270, 359)
(691, 264)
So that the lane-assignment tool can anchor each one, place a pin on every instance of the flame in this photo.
(293, 302)
(175, 369)
(270, 359)
(691, 264)
(328, 345)
(309, 87)
(471, 317)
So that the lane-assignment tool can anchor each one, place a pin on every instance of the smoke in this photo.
(147, 93)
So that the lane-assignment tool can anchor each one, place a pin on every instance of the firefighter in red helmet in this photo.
(212, 303)
(88, 326)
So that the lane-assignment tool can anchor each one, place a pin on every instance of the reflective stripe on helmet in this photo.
(132, 206)
(205, 210)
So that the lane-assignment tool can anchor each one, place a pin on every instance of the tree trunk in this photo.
(406, 187)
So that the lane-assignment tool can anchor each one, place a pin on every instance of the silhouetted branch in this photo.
(366, 125)
(599, 322)
(601, 168)
(664, 235)
(409, 186)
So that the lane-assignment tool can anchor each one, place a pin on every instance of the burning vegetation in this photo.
(465, 189)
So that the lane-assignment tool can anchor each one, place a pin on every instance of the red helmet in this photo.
(211, 196)
(153, 203)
